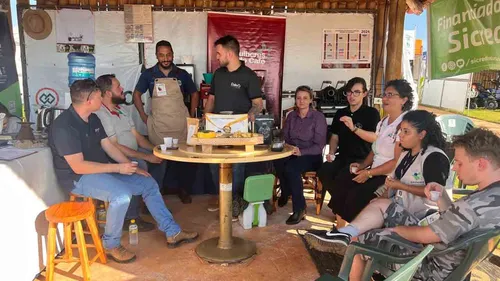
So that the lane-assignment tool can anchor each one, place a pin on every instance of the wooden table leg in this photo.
(226, 248)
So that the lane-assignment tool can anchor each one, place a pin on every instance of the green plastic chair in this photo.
(405, 273)
(454, 125)
(478, 245)
(257, 190)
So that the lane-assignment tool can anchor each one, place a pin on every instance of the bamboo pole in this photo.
(397, 12)
(380, 27)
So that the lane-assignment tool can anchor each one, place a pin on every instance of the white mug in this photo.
(163, 147)
(168, 141)
(175, 142)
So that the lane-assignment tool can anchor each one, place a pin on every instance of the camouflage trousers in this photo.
(397, 215)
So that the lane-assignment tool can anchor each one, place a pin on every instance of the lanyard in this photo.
(405, 164)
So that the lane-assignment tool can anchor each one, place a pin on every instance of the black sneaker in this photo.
(331, 241)
(142, 225)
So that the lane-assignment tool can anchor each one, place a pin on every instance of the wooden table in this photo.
(226, 248)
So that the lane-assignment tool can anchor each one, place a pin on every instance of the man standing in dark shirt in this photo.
(79, 146)
(236, 88)
(353, 131)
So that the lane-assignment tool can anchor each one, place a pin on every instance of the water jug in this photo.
(81, 66)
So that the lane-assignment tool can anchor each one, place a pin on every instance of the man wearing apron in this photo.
(235, 87)
(168, 85)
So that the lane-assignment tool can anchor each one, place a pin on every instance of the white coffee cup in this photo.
(163, 147)
(175, 142)
(354, 170)
(435, 195)
(168, 141)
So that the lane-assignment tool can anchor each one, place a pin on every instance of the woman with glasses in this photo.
(353, 131)
(305, 129)
(354, 187)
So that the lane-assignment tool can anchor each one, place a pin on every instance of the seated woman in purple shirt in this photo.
(305, 129)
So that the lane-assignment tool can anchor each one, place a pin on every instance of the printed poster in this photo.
(138, 24)
(346, 48)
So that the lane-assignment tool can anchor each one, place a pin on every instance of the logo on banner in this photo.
(47, 97)
(257, 57)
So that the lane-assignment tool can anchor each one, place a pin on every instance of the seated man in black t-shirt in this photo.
(79, 146)
(353, 131)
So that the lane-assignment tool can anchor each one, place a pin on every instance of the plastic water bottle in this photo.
(80, 66)
(133, 233)
(101, 215)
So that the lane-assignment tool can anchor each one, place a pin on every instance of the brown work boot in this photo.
(120, 255)
(185, 197)
(181, 237)
(213, 204)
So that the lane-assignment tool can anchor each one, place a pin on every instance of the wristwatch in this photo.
(355, 128)
(370, 174)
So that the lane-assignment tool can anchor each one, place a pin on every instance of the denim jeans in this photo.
(118, 190)
(157, 171)
(238, 178)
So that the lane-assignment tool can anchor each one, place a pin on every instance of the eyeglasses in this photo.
(389, 95)
(93, 90)
(354, 93)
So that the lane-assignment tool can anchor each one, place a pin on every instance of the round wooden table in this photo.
(225, 248)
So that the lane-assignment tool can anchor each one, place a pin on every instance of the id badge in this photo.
(161, 90)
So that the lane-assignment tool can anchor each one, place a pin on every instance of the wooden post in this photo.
(380, 27)
(397, 12)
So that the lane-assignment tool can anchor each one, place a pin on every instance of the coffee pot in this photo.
(46, 116)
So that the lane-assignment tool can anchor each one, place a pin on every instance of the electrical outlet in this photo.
(377, 101)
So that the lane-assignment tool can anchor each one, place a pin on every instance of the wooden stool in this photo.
(73, 197)
(311, 181)
(71, 214)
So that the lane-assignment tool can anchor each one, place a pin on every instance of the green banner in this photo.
(465, 37)
(10, 95)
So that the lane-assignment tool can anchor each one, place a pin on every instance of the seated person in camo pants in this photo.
(477, 162)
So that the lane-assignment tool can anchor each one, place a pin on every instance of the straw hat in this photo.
(37, 24)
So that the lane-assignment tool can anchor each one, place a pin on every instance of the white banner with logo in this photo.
(75, 31)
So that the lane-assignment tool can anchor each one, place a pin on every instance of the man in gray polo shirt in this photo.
(121, 131)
